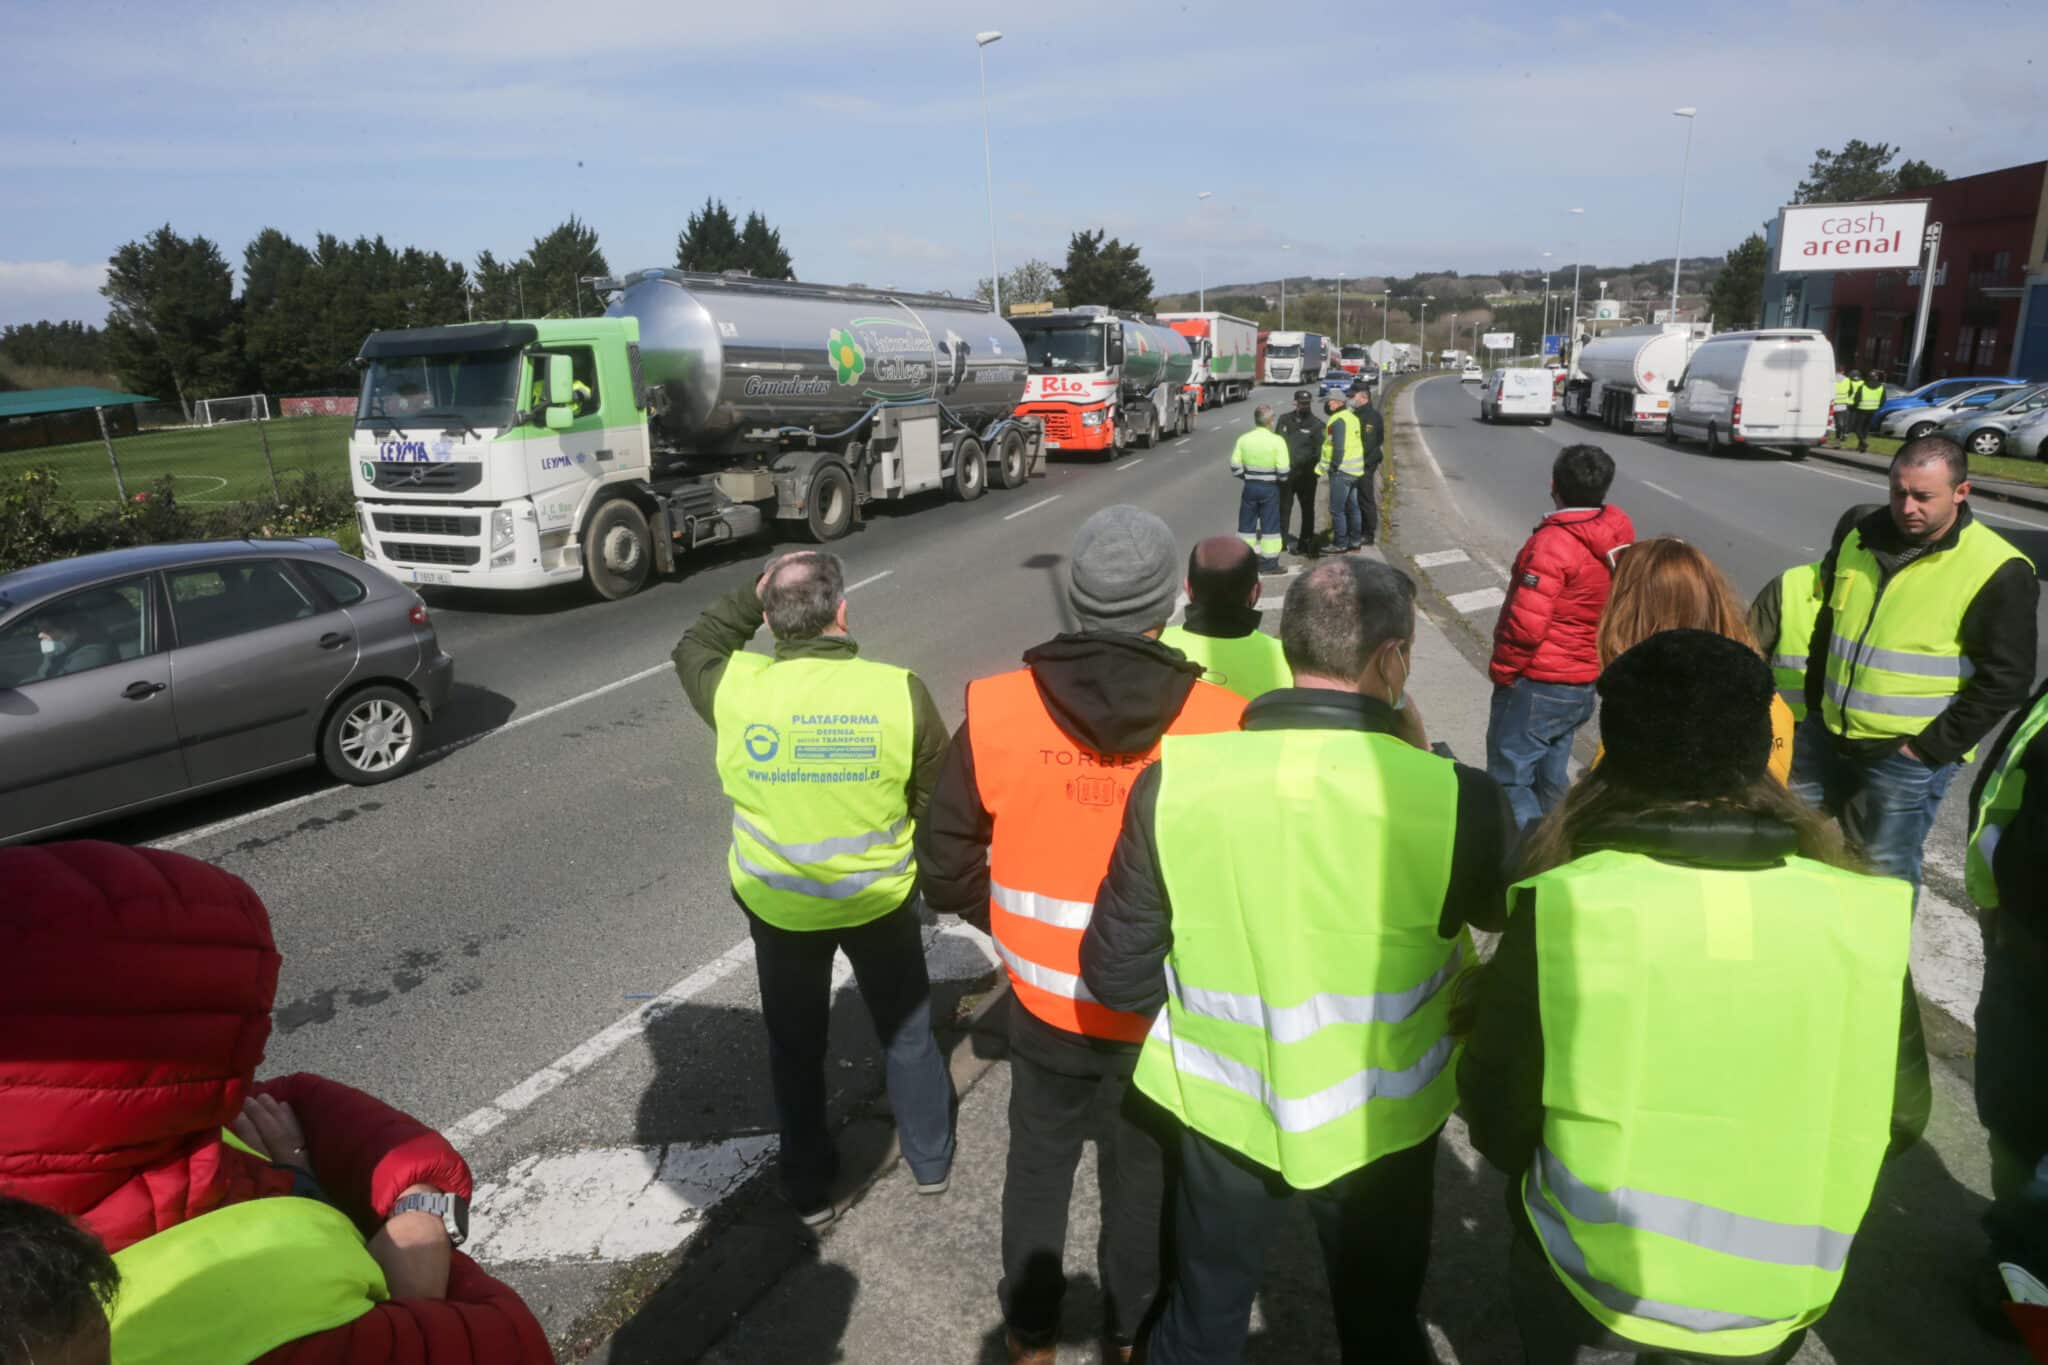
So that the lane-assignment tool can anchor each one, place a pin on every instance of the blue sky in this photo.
(1367, 137)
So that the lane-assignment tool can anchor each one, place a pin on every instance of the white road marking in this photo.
(1491, 563)
(608, 1204)
(1479, 599)
(223, 826)
(1436, 559)
(1660, 488)
(1033, 507)
(1182, 441)
(953, 952)
(871, 578)
(1132, 464)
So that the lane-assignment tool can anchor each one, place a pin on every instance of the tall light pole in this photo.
(1685, 167)
(1546, 299)
(988, 166)
(1578, 250)
(1202, 253)
(1422, 330)
(1340, 312)
(1283, 290)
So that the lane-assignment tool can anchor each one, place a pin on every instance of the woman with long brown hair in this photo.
(1683, 1052)
(1666, 584)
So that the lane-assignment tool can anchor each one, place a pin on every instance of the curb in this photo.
(1997, 490)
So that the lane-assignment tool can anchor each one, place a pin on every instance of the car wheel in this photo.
(970, 471)
(1544, 420)
(828, 511)
(1990, 441)
(372, 736)
(1713, 441)
(1010, 467)
(618, 552)
(1670, 433)
(1919, 429)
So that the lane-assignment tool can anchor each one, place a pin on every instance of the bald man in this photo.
(1223, 629)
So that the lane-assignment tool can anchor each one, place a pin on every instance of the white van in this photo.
(1767, 388)
(1516, 393)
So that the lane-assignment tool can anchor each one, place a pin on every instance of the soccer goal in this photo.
(248, 407)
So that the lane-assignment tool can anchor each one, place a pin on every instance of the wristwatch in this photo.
(451, 1209)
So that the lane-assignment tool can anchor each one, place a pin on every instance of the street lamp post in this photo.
(1678, 247)
(1578, 250)
(1546, 300)
(1422, 330)
(1202, 256)
(1340, 311)
(988, 166)
(1283, 290)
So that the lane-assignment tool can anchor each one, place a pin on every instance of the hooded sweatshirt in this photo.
(1112, 692)
(1549, 627)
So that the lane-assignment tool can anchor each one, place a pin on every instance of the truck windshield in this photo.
(477, 389)
(1282, 352)
(1052, 349)
(1354, 352)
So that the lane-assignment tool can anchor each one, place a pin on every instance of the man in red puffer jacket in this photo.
(1546, 653)
(135, 996)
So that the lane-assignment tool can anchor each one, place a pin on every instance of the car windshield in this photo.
(1051, 349)
(1288, 352)
(478, 388)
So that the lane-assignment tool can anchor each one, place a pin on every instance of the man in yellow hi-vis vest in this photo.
(1225, 631)
(829, 760)
(1289, 902)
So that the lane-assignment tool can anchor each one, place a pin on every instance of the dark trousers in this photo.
(1051, 1115)
(795, 972)
(1557, 1331)
(1300, 492)
(1367, 492)
(1374, 1225)
(1860, 424)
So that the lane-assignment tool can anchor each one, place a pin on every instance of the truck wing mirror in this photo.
(560, 416)
(561, 377)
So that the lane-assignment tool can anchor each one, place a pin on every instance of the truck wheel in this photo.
(618, 553)
(1148, 430)
(828, 509)
(1670, 433)
(970, 471)
(1187, 427)
(372, 736)
(1010, 468)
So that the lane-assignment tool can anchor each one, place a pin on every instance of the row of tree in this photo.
(54, 346)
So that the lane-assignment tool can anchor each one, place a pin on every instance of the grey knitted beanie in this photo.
(1125, 572)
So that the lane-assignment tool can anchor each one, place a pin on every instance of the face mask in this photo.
(52, 648)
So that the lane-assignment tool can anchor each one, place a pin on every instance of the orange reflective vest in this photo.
(1057, 807)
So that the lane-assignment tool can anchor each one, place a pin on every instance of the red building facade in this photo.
(1992, 230)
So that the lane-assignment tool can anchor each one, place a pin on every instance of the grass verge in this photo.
(206, 465)
(2033, 472)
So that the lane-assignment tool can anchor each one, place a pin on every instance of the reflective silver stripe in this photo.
(1048, 979)
(1045, 909)
(1565, 1254)
(1808, 1246)
(1902, 661)
(1792, 661)
(839, 889)
(1263, 475)
(819, 851)
(1294, 1023)
(1792, 696)
(1856, 699)
(1304, 1113)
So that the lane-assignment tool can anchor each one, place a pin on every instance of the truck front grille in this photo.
(411, 552)
(456, 476)
(1061, 424)
(416, 524)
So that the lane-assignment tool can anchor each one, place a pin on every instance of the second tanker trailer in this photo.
(699, 407)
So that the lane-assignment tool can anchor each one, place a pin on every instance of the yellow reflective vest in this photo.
(2003, 792)
(1870, 395)
(1249, 665)
(1352, 461)
(1719, 1050)
(1260, 455)
(816, 755)
(1799, 603)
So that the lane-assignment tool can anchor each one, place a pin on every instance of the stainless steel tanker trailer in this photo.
(522, 454)
(1103, 380)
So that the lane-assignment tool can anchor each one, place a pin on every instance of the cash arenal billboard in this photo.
(1867, 236)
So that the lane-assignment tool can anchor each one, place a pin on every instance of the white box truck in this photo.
(1294, 358)
(1755, 388)
(1226, 354)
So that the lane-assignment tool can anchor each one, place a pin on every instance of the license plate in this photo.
(1052, 445)
(430, 576)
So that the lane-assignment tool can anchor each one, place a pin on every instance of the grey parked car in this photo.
(1985, 430)
(134, 677)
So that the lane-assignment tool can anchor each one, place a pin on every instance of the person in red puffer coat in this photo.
(135, 996)
(1546, 642)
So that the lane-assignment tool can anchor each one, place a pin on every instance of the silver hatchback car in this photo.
(132, 678)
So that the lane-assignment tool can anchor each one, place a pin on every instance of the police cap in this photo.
(1303, 396)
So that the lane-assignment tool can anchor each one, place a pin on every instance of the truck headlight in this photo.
(1093, 419)
(501, 528)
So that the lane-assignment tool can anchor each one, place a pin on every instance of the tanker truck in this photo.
(697, 410)
(1622, 377)
(1104, 381)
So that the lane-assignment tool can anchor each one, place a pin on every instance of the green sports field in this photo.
(206, 464)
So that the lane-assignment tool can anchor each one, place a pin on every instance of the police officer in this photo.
(1651, 1011)
(1343, 464)
(1301, 1038)
(829, 759)
(1372, 438)
(1017, 838)
(1260, 460)
(1868, 396)
(1303, 432)
(1224, 631)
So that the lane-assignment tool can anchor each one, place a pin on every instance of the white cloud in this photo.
(42, 279)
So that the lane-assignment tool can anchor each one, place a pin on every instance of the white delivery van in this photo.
(1516, 393)
(1768, 388)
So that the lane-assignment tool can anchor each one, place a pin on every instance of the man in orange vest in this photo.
(1016, 839)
